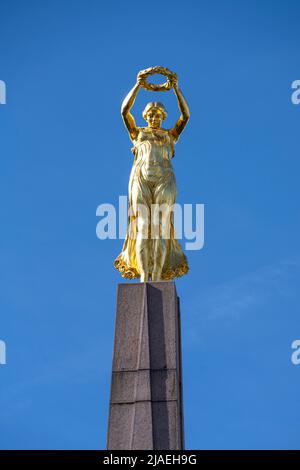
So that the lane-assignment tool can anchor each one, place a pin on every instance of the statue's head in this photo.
(154, 114)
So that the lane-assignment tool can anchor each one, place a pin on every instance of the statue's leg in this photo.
(159, 255)
(164, 198)
(142, 203)
(142, 247)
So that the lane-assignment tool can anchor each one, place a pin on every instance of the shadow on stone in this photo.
(158, 369)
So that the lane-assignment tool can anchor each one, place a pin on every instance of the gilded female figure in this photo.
(152, 183)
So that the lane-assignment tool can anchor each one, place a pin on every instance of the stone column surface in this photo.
(146, 407)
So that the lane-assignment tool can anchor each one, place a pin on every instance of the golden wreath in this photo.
(167, 85)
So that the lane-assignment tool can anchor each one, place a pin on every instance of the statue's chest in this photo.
(158, 137)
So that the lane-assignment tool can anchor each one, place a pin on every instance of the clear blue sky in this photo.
(64, 151)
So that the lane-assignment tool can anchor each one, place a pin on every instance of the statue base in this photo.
(146, 406)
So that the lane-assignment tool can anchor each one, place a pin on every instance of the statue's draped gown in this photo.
(152, 180)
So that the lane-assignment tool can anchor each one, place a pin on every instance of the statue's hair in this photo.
(155, 104)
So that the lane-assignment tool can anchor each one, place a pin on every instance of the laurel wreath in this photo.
(167, 85)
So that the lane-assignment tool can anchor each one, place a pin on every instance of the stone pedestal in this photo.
(146, 409)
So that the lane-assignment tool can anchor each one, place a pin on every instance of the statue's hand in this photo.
(174, 81)
(141, 77)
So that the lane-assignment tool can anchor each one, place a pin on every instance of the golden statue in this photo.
(152, 184)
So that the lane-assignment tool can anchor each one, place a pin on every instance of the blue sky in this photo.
(64, 151)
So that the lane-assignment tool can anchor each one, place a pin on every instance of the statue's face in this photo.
(154, 117)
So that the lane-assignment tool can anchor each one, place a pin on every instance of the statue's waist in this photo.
(153, 173)
(155, 160)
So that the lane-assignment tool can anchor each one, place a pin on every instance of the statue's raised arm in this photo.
(127, 104)
(184, 109)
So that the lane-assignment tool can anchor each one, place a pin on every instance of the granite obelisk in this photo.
(146, 405)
